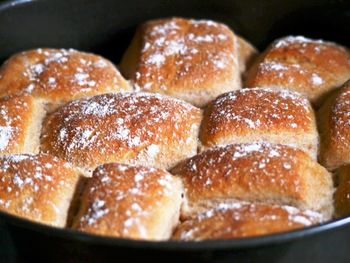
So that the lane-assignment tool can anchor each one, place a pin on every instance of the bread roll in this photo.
(247, 53)
(194, 60)
(37, 187)
(334, 120)
(135, 128)
(59, 75)
(311, 67)
(244, 220)
(130, 202)
(247, 115)
(20, 124)
(255, 172)
(342, 194)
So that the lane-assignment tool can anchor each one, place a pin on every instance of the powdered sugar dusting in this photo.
(117, 123)
(156, 59)
(316, 79)
(231, 218)
(66, 70)
(249, 166)
(167, 42)
(5, 136)
(96, 211)
(286, 41)
(127, 199)
(258, 109)
(36, 180)
(340, 116)
(13, 112)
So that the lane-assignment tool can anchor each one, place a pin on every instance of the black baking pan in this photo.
(106, 28)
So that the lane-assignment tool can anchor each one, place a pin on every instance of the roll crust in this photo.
(20, 124)
(255, 172)
(194, 60)
(334, 129)
(311, 67)
(244, 220)
(276, 116)
(247, 53)
(37, 187)
(135, 128)
(131, 202)
(59, 75)
(342, 194)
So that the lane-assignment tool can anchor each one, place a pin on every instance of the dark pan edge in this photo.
(74, 235)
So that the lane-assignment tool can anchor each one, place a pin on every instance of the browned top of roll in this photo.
(257, 172)
(119, 127)
(182, 54)
(37, 187)
(245, 220)
(15, 115)
(311, 67)
(59, 75)
(128, 201)
(335, 129)
(260, 110)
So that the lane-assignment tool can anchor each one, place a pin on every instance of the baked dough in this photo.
(130, 202)
(135, 128)
(255, 172)
(244, 220)
(248, 115)
(59, 75)
(20, 124)
(194, 60)
(311, 67)
(37, 187)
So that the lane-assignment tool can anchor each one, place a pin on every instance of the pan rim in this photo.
(10, 220)
(236, 243)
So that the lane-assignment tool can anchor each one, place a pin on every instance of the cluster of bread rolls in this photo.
(202, 139)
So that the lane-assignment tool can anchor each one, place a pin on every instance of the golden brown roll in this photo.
(135, 128)
(244, 220)
(37, 187)
(311, 67)
(334, 128)
(247, 53)
(255, 172)
(130, 202)
(59, 75)
(20, 124)
(342, 194)
(194, 60)
(247, 115)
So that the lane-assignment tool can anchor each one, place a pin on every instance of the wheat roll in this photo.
(194, 60)
(135, 128)
(244, 220)
(255, 172)
(334, 127)
(130, 202)
(311, 67)
(342, 193)
(247, 53)
(20, 124)
(37, 187)
(247, 115)
(59, 75)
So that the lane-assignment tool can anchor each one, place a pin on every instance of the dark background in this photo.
(106, 26)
